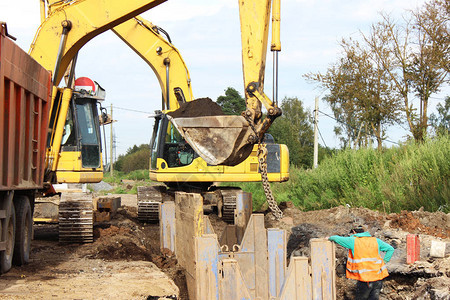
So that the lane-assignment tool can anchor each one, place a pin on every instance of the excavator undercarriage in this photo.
(220, 200)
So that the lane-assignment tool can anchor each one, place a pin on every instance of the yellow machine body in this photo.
(66, 27)
(86, 21)
(172, 74)
(70, 170)
(200, 171)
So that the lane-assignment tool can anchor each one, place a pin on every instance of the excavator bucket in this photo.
(219, 140)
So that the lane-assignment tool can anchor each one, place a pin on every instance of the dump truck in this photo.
(25, 93)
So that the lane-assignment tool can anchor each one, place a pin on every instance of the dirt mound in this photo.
(128, 240)
(435, 224)
(109, 231)
(299, 239)
(165, 260)
(203, 107)
(121, 249)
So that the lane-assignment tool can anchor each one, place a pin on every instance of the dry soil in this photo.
(124, 262)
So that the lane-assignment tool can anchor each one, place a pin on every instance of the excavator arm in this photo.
(229, 140)
(73, 23)
(254, 18)
(164, 59)
(66, 27)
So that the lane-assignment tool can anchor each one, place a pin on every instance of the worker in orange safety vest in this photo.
(364, 262)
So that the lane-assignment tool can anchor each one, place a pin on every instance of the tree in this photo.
(396, 63)
(360, 95)
(294, 128)
(136, 158)
(232, 103)
(433, 21)
(415, 55)
(441, 121)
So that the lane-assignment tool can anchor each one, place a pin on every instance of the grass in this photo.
(141, 178)
(118, 176)
(402, 178)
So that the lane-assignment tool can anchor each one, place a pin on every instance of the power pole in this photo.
(316, 131)
(111, 144)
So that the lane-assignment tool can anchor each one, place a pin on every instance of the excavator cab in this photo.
(167, 143)
(79, 159)
(81, 130)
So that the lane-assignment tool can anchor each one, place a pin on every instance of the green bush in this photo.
(119, 176)
(406, 177)
(136, 158)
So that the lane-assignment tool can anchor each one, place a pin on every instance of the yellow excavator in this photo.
(73, 143)
(180, 156)
(67, 26)
(191, 153)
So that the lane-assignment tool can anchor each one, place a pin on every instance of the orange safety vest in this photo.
(366, 264)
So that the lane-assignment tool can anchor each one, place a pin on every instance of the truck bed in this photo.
(25, 89)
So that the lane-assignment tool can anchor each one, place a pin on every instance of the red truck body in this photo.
(25, 93)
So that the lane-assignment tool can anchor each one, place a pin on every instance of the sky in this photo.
(207, 34)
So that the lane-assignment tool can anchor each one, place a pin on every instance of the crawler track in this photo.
(76, 218)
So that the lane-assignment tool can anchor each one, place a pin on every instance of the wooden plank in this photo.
(276, 239)
(231, 283)
(261, 261)
(167, 225)
(246, 257)
(298, 283)
(252, 257)
(189, 225)
(323, 269)
(244, 209)
(207, 260)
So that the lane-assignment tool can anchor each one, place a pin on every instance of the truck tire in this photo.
(6, 256)
(24, 227)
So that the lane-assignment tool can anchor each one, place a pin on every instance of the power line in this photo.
(133, 110)
(322, 137)
(337, 120)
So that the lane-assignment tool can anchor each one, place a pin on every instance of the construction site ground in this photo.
(125, 262)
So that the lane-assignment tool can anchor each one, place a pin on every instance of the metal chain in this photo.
(262, 157)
